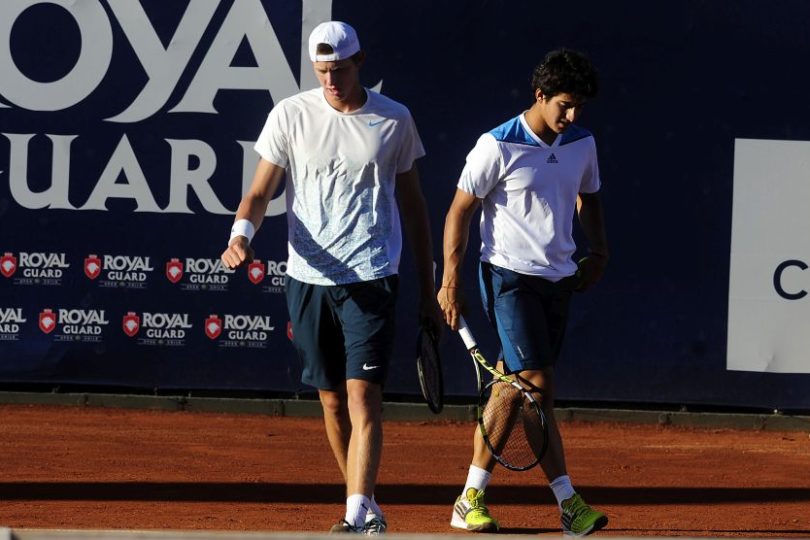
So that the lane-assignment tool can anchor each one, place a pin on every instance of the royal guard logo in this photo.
(161, 329)
(174, 270)
(131, 324)
(47, 321)
(118, 271)
(92, 266)
(11, 321)
(34, 268)
(74, 324)
(213, 327)
(240, 331)
(256, 272)
(273, 277)
(8, 265)
(199, 274)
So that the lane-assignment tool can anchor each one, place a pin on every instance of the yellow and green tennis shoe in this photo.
(470, 513)
(579, 519)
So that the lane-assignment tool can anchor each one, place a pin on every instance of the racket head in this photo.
(429, 369)
(512, 424)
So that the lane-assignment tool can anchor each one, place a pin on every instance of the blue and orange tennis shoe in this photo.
(470, 513)
(579, 519)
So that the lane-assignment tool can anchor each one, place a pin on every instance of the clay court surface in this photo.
(93, 468)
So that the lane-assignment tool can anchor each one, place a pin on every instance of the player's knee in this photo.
(333, 403)
(364, 396)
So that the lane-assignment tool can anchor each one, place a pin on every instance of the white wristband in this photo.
(242, 227)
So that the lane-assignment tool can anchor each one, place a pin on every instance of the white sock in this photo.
(562, 488)
(477, 478)
(374, 509)
(356, 507)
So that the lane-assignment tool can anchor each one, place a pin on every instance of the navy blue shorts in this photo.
(343, 331)
(528, 312)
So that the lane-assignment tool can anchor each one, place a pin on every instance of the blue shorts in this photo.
(528, 312)
(343, 331)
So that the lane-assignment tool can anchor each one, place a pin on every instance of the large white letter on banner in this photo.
(768, 307)
(84, 77)
(163, 65)
(246, 19)
(56, 196)
(183, 178)
(123, 161)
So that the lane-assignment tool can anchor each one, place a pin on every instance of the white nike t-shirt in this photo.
(529, 191)
(342, 216)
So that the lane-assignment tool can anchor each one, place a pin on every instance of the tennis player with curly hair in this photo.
(531, 175)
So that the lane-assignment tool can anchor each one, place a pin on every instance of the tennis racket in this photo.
(512, 424)
(429, 368)
(579, 276)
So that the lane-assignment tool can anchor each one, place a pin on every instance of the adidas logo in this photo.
(552, 159)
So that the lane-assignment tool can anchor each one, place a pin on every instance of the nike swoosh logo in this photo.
(377, 123)
(367, 367)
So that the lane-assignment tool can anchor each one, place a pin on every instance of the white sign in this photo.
(769, 281)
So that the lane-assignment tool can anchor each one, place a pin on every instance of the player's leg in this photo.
(530, 319)
(530, 315)
(470, 511)
(553, 462)
(482, 459)
(365, 444)
(338, 432)
(337, 423)
(318, 340)
(366, 311)
(548, 327)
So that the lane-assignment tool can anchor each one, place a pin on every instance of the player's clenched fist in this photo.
(238, 253)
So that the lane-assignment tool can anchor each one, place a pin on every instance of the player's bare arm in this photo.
(592, 221)
(266, 180)
(456, 237)
(416, 223)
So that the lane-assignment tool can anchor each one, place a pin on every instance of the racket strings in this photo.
(514, 430)
(429, 371)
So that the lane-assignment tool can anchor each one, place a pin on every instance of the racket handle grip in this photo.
(466, 335)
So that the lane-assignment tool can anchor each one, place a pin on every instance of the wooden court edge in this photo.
(413, 412)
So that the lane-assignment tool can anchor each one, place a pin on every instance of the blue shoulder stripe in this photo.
(512, 131)
(573, 134)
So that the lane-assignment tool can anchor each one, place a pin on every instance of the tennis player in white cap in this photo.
(349, 157)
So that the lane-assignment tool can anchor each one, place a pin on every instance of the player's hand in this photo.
(451, 302)
(238, 253)
(590, 271)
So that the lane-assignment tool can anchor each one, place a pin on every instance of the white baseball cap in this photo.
(338, 35)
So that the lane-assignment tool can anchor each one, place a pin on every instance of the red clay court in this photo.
(98, 468)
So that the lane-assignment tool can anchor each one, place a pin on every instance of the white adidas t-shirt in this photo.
(343, 222)
(529, 191)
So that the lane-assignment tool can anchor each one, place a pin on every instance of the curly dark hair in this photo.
(566, 71)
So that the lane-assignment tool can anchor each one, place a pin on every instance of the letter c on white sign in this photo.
(83, 78)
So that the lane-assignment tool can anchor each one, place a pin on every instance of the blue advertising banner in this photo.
(126, 134)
